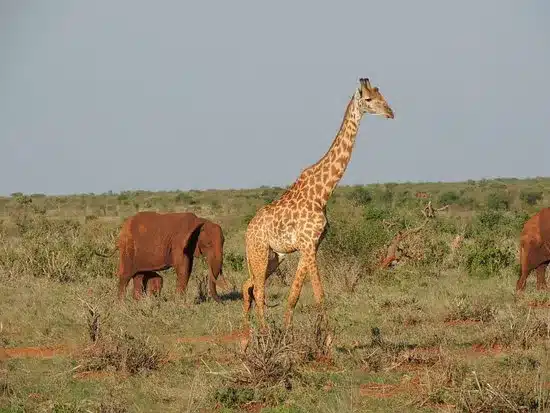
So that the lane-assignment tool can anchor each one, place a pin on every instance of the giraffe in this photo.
(296, 221)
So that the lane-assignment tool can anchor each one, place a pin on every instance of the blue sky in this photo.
(133, 94)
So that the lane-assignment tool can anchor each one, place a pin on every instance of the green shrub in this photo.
(519, 219)
(498, 200)
(449, 198)
(404, 198)
(530, 197)
(184, 198)
(360, 196)
(386, 196)
(374, 213)
(489, 220)
(123, 197)
(361, 238)
(269, 195)
(235, 261)
(435, 251)
(485, 258)
(61, 250)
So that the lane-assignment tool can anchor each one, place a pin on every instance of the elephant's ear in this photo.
(198, 251)
(191, 232)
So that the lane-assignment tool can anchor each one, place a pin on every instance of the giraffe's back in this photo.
(285, 226)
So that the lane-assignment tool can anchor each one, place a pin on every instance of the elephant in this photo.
(150, 241)
(534, 250)
(149, 282)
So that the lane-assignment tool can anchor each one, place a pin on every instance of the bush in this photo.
(184, 198)
(57, 249)
(449, 198)
(530, 197)
(269, 195)
(485, 258)
(360, 196)
(489, 221)
(235, 261)
(124, 353)
(361, 239)
(386, 196)
(435, 251)
(498, 200)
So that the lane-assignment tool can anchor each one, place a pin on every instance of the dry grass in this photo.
(443, 331)
(122, 353)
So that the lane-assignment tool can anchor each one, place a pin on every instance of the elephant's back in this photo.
(544, 223)
(537, 228)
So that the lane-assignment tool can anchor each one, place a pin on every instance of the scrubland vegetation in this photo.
(442, 329)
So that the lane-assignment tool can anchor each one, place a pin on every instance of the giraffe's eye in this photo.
(368, 99)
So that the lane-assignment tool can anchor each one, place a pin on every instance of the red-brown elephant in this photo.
(151, 241)
(534, 250)
(149, 282)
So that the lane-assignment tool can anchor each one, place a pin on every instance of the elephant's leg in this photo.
(153, 284)
(522, 281)
(183, 266)
(541, 276)
(139, 285)
(123, 280)
(212, 290)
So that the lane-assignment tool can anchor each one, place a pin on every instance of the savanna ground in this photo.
(441, 330)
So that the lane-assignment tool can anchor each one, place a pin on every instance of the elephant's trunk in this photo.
(216, 278)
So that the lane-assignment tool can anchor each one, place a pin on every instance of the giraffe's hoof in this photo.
(243, 343)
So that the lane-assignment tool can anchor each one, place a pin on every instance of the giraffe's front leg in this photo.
(297, 284)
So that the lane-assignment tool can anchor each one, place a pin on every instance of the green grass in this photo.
(443, 328)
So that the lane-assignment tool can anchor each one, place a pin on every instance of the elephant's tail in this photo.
(109, 255)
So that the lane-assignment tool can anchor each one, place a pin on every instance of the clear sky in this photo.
(132, 94)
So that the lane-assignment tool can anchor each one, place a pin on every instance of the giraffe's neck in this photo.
(320, 179)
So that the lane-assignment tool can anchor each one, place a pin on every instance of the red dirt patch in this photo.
(36, 352)
(483, 349)
(461, 322)
(35, 396)
(253, 407)
(382, 390)
(539, 304)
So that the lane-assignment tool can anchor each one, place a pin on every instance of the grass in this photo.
(440, 331)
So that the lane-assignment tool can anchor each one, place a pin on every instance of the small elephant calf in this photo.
(148, 282)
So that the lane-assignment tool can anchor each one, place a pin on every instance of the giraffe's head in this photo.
(370, 100)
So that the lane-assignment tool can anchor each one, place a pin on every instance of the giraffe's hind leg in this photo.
(257, 259)
(248, 297)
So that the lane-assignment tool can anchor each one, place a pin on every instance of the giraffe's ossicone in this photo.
(296, 221)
